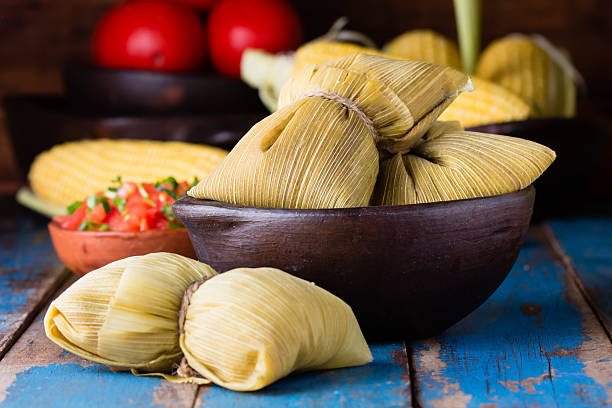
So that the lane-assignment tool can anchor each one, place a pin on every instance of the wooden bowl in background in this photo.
(407, 271)
(124, 91)
(579, 182)
(84, 251)
(38, 122)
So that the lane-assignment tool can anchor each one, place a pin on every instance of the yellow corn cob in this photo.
(488, 103)
(71, 171)
(536, 72)
(317, 52)
(425, 45)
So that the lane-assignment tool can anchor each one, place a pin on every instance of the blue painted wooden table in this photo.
(543, 339)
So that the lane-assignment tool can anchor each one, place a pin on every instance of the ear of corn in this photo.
(425, 45)
(125, 313)
(316, 52)
(487, 103)
(458, 165)
(521, 65)
(71, 171)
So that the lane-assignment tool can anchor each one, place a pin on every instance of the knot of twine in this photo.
(349, 104)
(184, 369)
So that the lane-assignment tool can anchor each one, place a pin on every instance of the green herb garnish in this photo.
(74, 206)
(120, 203)
(166, 209)
(105, 204)
(83, 225)
(91, 201)
(173, 225)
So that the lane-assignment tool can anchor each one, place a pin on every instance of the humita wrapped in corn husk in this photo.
(248, 327)
(320, 150)
(242, 329)
(124, 314)
(453, 164)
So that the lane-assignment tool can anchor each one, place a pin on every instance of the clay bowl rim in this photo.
(188, 201)
(123, 234)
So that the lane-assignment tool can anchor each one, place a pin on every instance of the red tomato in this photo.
(199, 4)
(235, 25)
(97, 214)
(150, 34)
(73, 221)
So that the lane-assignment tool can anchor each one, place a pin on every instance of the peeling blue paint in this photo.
(29, 245)
(70, 385)
(382, 383)
(517, 349)
(24, 256)
(589, 243)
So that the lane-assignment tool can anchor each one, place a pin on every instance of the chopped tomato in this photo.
(73, 221)
(98, 214)
(127, 207)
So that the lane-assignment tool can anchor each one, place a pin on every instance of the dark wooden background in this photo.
(38, 36)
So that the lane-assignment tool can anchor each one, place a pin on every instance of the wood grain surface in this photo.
(539, 340)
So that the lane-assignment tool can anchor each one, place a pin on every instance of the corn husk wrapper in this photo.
(402, 98)
(268, 72)
(456, 164)
(425, 45)
(317, 153)
(125, 313)
(487, 103)
(247, 328)
(534, 70)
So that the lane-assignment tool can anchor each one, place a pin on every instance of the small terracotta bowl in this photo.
(407, 271)
(84, 251)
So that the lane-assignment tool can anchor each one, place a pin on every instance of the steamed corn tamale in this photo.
(425, 45)
(452, 164)
(124, 314)
(320, 149)
(534, 70)
(71, 171)
(246, 328)
(242, 329)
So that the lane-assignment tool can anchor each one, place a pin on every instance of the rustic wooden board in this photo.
(29, 274)
(36, 372)
(383, 383)
(535, 342)
(585, 247)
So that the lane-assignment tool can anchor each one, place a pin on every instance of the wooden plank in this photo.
(535, 342)
(385, 382)
(584, 246)
(29, 275)
(36, 372)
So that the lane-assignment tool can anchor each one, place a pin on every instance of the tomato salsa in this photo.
(127, 206)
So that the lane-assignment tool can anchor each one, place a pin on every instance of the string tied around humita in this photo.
(184, 370)
(349, 104)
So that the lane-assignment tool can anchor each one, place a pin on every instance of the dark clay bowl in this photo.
(407, 271)
(149, 92)
(84, 251)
